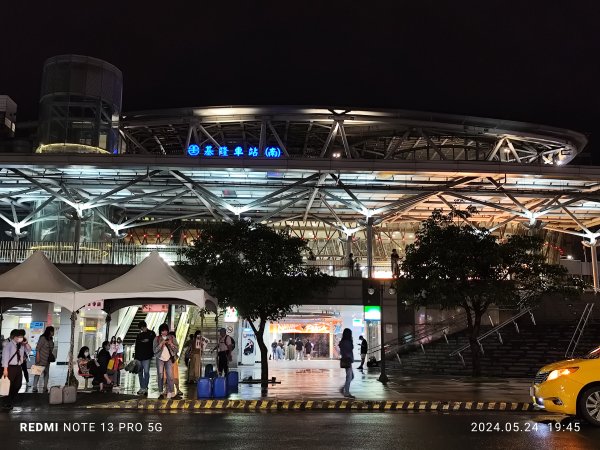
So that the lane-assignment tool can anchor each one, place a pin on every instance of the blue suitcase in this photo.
(220, 387)
(233, 378)
(204, 388)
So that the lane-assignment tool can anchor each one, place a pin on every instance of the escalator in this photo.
(134, 329)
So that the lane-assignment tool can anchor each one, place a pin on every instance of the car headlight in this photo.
(561, 372)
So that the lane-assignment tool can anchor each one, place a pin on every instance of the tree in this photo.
(257, 270)
(455, 264)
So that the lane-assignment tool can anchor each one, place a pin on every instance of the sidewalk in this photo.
(321, 380)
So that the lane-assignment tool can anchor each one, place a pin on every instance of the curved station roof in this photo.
(332, 168)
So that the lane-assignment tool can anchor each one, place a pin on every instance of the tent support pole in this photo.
(71, 348)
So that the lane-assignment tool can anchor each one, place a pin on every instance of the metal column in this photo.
(594, 258)
(370, 246)
(348, 245)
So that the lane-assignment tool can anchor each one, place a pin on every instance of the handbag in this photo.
(37, 370)
(111, 364)
(51, 358)
(345, 362)
(4, 386)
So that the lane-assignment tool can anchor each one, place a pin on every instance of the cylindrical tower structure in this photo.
(80, 105)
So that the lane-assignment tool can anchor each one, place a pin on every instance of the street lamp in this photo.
(383, 378)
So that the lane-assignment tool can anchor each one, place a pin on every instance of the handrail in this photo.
(413, 338)
(583, 320)
(496, 330)
(125, 322)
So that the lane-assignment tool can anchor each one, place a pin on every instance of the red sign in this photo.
(98, 304)
(155, 308)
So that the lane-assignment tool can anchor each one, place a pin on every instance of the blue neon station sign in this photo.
(213, 151)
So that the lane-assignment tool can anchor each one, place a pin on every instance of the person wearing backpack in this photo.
(225, 347)
(13, 356)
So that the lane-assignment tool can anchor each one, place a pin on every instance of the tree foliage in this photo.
(254, 268)
(455, 264)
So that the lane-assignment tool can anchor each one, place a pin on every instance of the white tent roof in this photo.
(152, 278)
(37, 278)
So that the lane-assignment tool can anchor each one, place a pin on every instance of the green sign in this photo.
(372, 312)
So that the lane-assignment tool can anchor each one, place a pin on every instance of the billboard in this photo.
(372, 312)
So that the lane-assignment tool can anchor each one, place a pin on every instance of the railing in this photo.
(429, 333)
(579, 330)
(495, 330)
(129, 254)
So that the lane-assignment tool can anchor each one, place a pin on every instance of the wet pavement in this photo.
(322, 379)
(187, 430)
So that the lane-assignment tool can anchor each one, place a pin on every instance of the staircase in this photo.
(209, 329)
(134, 329)
(521, 355)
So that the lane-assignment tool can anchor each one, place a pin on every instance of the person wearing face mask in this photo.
(13, 356)
(83, 363)
(44, 355)
(165, 351)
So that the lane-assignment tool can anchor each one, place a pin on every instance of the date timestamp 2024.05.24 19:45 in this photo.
(526, 427)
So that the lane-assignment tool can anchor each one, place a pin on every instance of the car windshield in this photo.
(594, 354)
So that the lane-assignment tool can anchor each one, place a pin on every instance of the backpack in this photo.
(232, 343)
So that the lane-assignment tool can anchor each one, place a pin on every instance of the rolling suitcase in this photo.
(69, 394)
(56, 395)
(220, 387)
(208, 370)
(233, 379)
(204, 388)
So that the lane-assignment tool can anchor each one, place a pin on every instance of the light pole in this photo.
(383, 378)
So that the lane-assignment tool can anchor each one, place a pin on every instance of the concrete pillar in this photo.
(370, 247)
(62, 338)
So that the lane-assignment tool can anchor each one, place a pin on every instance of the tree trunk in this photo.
(474, 331)
(264, 355)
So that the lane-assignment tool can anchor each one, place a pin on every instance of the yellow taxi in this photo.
(570, 387)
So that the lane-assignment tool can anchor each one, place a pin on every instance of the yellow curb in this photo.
(311, 405)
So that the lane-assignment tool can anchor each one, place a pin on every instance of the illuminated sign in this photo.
(98, 304)
(155, 308)
(372, 313)
(319, 327)
(231, 315)
(357, 323)
(210, 151)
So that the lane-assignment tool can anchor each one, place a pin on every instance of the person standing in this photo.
(165, 351)
(196, 350)
(350, 264)
(144, 352)
(347, 358)
(274, 349)
(27, 350)
(175, 368)
(291, 350)
(224, 348)
(394, 260)
(44, 355)
(363, 351)
(12, 358)
(299, 349)
(119, 350)
(307, 349)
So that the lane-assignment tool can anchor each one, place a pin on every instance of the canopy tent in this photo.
(150, 280)
(37, 279)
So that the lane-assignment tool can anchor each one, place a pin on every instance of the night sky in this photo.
(527, 60)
